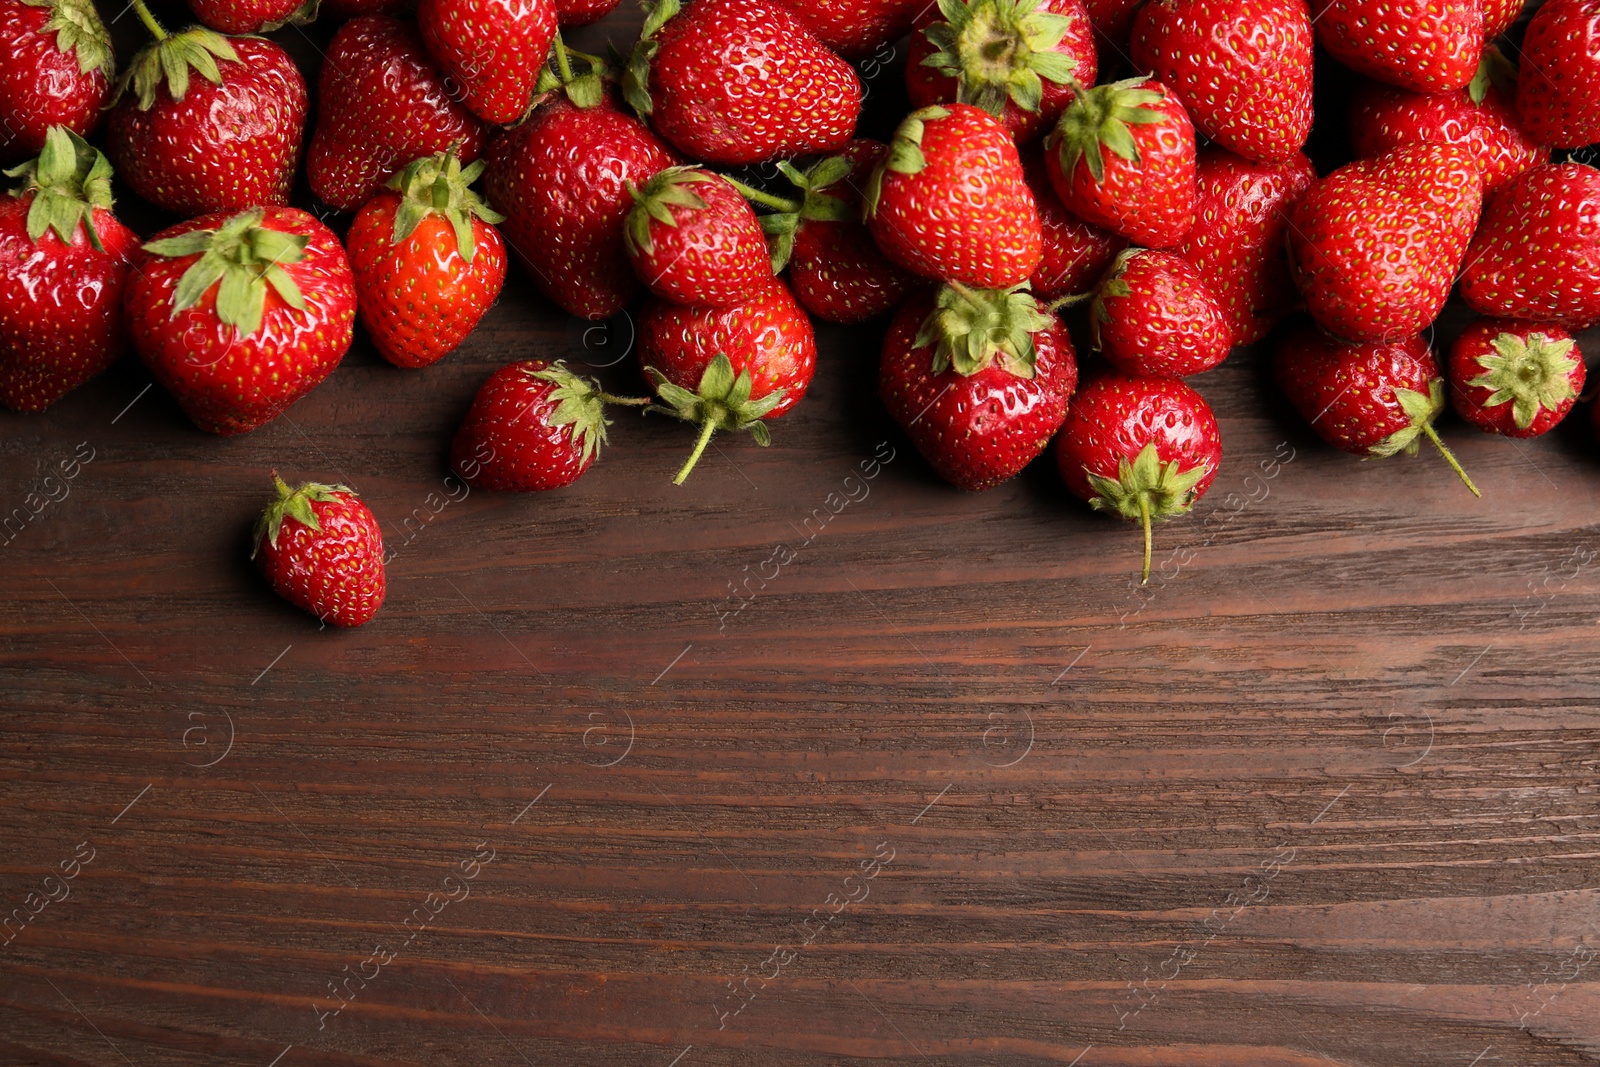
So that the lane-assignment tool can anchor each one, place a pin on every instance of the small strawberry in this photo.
(492, 50)
(253, 16)
(56, 70)
(583, 12)
(979, 379)
(1427, 46)
(740, 81)
(240, 316)
(857, 28)
(321, 550)
(1153, 316)
(693, 239)
(1514, 378)
(950, 200)
(1144, 448)
(427, 261)
(1122, 157)
(1560, 84)
(1374, 246)
(65, 262)
(381, 103)
(1076, 253)
(1536, 254)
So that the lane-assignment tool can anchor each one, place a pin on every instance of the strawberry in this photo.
(1560, 85)
(1153, 316)
(223, 141)
(381, 103)
(1536, 254)
(65, 262)
(1374, 246)
(1144, 448)
(740, 81)
(1498, 15)
(1143, 188)
(1242, 69)
(1076, 253)
(240, 316)
(1016, 59)
(56, 70)
(950, 200)
(693, 239)
(1427, 46)
(728, 368)
(492, 50)
(583, 12)
(426, 260)
(1371, 399)
(252, 16)
(1514, 378)
(857, 28)
(1238, 241)
(321, 550)
(979, 379)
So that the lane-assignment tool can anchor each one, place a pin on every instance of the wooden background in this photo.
(948, 789)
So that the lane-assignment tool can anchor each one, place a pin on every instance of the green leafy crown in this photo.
(293, 504)
(439, 185)
(68, 181)
(1146, 488)
(1098, 119)
(1000, 50)
(1532, 374)
(669, 188)
(636, 78)
(244, 257)
(972, 329)
(78, 29)
(721, 401)
(167, 62)
(904, 155)
(817, 204)
(578, 405)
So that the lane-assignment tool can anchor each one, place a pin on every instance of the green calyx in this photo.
(578, 405)
(1493, 69)
(68, 181)
(669, 188)
(168, 61)
(999, 50)
(1532, 374)
(293, 504)
(1420, 410)
(1113, 285)
(818, 204)
(973, 329)
(79, 30)
(439, 185)
(241, 257)
(904, 155)
(1147, 490)
(636, 78)
(1098, 119)
(720, 402)
(585, 87)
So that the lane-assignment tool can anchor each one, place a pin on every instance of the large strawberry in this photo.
(1374, 247)
(740, 81)
(979, 379)
(1153, 315)
(1558, 96)
(1536, 254)
(253, 16)
(1427, 46)
(320, 549)
(427, 261)
(950, 200)
(240, 316)
(857, 28)
(492, 50)
(1514, 378)
(693, 239)
(65, 260)
(56, 65)
(1076, 253)
(381, 103)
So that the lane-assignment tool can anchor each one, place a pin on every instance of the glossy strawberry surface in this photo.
(1076, 253)
(243, 16)
(1153, 315)
(711, 254)
(1558, 95)
(516, 437)
(1347, 392)
(1427, 46)
(43, 83)
(334, 570)
(490, 51)
(1115, 416)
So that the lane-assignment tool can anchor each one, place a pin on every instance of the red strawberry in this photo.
(857, 28)
(950, 200)
(1374, 247)
(1242, 69)
(492, 50)
(240, 316)
(56, 70)
(63, 263)
(1237, 243)
(252, 16)
(211, 123)
(1144, 448)
(1427, 46)
(740, 81)
(1076, 253)
(1559, 91)
(1122, 157)
(1536, 254)
(380, 104)
(1498, 15)
(1514, 378)
(321, 550)
(426, 260)
(728, 368)
(1032, 51)
(979, 379)
(693, 239)
(1153, 316)
(583, 12)
(1372, 399)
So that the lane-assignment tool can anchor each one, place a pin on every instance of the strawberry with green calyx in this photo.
(320, 549)
(1153, 315)
(721, 400)
(254, 16)
(1517, 379)
(492, 50)
(56, 69)
(693, 239)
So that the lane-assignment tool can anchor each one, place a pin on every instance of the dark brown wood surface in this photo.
(606, 784)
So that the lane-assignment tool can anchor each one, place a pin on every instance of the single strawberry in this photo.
(1560, 84)
(1514, 378)
(56, 69)
(1536, 254)
(65, 262)
(857, 28)
(583, 12)
(1374, 247)
(1238, 241)
(728, 368)
(1427, 46)
(321, 550)
(1076, 253)
(238, 316)
(1143, 448)
(1498, 15)
(1122, 156)
(427, 261)
(1371, 399)
(490, 50)
(950, 200)
(1154, 316)
(1016, 59)
(1242, 69)
(209, 123)
(740, 81)
(979, 380)
(381, 103)
(693, 239)
(253, 16)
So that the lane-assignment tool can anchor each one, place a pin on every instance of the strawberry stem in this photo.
(563, 63)
(777, 203)
(1070, 300)
(631, 401)
(1144, 520)
(706, 430)
(1449, 457)
(149, 20)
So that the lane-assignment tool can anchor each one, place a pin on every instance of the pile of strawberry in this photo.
(1142, 162)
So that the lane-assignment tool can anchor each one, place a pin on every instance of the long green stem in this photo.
(777, 203)
(563, 63)
(706, 430)
(1449, 457)
(1144, 519)
(149, 20)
